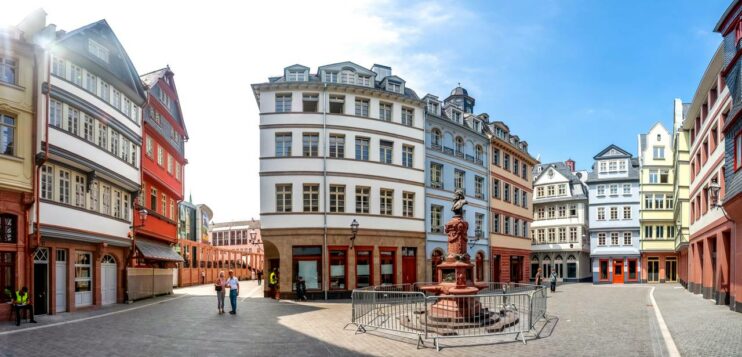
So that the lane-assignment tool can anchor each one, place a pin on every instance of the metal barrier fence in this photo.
(406, 311)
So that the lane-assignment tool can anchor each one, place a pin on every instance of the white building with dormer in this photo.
(560, 222)
(342, 145)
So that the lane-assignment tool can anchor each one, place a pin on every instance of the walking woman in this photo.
(539, 277)
(220, 287)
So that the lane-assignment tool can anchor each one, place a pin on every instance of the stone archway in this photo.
(272, 259)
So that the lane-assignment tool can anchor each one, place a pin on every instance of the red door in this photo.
(409, 270)
(618, 272)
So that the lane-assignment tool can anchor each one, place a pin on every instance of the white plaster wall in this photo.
(58, 215)
(97, 102)
(93, 153)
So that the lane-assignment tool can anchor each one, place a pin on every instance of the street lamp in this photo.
(477, 237)
(353, 229)
(142, 217)
(714, 188)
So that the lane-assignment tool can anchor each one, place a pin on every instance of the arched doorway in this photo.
(108, 280)
(272, 260)
(546, 267)
(534, 267)
(559, 267)
(435, 259)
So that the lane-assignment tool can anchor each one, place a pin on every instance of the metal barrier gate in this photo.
(406, 311)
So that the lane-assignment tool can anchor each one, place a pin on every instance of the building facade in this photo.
(560, 226)
(657, 227)
(511, 211)
(343, 145)
(18, 101)
(681, 189)
(163, 165)
(729, 26)
(242, 236)
(456, 158)
(613, 188)
(711, 231)
(89, 176)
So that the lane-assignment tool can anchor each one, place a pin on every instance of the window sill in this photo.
(12, 85)
(11, 158)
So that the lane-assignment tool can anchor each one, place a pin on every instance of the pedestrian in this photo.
(260, 276)
(539, 277)
(273, 282)
(203, 277)
(220, 286)
(301, 289)
(20, 303)
(234, 289)
(552, 280)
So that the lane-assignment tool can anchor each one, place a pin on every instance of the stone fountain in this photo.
(456, 308)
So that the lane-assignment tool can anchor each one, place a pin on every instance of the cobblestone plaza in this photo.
(610, 321)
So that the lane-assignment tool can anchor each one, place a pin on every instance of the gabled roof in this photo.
(152, 79)
(294, 66)
(620, 153)
(396, 78)
(119, 64)
(347, 64)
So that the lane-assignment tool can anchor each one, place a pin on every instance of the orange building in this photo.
(511, 206)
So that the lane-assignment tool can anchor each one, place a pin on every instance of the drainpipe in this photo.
(326, 147)
(40, 160)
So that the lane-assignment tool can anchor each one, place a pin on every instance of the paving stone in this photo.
(584, 320)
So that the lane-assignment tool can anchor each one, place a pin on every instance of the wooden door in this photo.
(409, 270)
(618, 272)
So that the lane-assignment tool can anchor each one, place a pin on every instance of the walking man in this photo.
(260, 276)
(552, 280)
(234, 289)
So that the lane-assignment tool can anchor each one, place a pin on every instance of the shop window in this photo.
(364, 267)
(7, 276)
(388, 275)
(308, 265)
(603, 266)
(633, 273)
(338, 263)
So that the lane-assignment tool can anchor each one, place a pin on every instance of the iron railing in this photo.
(405, 310)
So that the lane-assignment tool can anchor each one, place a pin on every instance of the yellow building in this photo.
(656, 159)
(17, 101)
(681, 190)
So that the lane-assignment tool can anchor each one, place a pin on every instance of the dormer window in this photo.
(477, 126)
(659, 137)
(500, 133)
(394, 86)
(331, 76)
(364, 81)
(457, 117)
(347, 77)
(433, 107)
(296, 76)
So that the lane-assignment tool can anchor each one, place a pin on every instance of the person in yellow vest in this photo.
(20, 303)
(273, 281)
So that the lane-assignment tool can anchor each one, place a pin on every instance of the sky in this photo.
(570, 77)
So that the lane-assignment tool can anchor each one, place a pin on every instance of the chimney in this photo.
(571, 164)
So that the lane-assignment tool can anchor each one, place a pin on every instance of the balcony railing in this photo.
(438, 185)
(459, 154)
(448, 151)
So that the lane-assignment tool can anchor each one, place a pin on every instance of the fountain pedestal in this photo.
(456, 278)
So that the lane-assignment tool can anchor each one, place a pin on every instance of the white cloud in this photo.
(218, 49)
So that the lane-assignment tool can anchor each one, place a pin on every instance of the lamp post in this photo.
(714, 188)
(353, 229)
(477, 237)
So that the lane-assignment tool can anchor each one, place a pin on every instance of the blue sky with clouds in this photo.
(572, 77)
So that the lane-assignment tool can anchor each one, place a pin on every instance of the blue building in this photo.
(613, 188)
(456, 157)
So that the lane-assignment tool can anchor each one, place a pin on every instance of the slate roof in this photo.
(565, 171)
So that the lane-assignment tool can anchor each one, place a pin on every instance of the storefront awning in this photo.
(157, 251)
